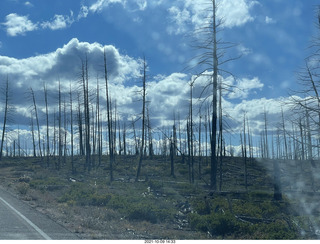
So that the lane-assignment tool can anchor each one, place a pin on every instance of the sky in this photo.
(45, 41)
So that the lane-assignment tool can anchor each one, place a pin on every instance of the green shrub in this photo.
(143, 212)
(217, 224)
(23, 188)
(138, 208)
(100, 200)
(155, 185)
(202, 206)
(25, 179)
(81, 194)
(246, 208)
(278, 230)
(51, 183)
(226, 225)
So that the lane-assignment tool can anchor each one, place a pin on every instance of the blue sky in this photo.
(43, 41)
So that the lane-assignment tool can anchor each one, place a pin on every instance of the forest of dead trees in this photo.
(83, 124)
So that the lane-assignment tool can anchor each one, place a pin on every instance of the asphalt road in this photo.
(18, 221)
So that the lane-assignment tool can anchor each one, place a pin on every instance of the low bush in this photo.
(81, 194)
(50, 183)
(217, 224)
(278, 230)
(23, 188)
(155, 185)
(138, 208)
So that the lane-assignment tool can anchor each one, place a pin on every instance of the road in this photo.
(18, 221)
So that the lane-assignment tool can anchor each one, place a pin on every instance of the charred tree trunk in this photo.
(71, 132)
(143, 118)
(37, 121)
(47, 123)
(213, 171)
(109, 119)
(6, 108)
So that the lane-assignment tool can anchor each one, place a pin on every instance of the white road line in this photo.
(44, 235)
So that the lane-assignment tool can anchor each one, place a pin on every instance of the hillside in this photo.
(160, 206)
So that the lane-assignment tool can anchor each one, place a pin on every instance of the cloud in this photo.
(240, 89)
(181, 18)
(254, 109)
(235, 13)
(194, 14)
(64, 64)
(58, 22)
(18, 25)
(132, 5)
(243, 50)
(270, 20)
(28, 4)
(100, 4)
(83, 13)
(168, 95)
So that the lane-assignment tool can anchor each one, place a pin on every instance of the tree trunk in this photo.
(47, 123)
(60, 131)
(213, 171)
(71, 132)
(5, 116)
(245, 154)
(37, 120)
(109, 119)
(143, 119)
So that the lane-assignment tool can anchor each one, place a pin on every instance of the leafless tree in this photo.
(211, 58)
(85, 86)
(5, 117)
(71, 131)
(109, 120)
(143, 117)
(45, 90)
(37, 119)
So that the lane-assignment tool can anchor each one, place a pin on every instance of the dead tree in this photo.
(71, 132)
(33, 139)
(45, 90)
(85, 85)
(172, 154)
(37, 120)
(80, 127)
(65, 133)
(211, 59)
(109, 120)
(5, 118)
(190, 136)
(136, 143)
(99, 127)
(245, 153)
(58, 165)
(284, 135)
(124, 132)
(266, 146)
(143, 117)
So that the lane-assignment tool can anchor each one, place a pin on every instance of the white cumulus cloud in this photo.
(19, 25)
(58, 22)
(194, 14)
